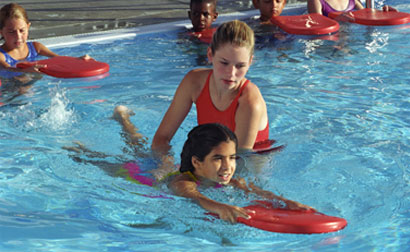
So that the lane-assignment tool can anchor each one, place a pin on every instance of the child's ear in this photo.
(255, 4)
(215, 16)
(195, 162)
(209, 54)
(189, 14)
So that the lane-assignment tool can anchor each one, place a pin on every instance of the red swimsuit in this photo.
(207, 113)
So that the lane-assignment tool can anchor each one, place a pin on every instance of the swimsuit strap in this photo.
(192, 176)
(196, 180)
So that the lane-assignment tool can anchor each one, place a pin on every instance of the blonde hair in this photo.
(236, 33)
(12, 10)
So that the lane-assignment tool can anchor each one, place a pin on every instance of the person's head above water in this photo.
(202, 14)
(13, 19)
(269, 8)
(210, 152)
(235, 33)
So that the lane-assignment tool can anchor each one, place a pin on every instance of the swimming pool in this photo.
(341, 108)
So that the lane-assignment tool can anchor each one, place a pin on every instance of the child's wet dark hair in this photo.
(201, 140)
(213, 2)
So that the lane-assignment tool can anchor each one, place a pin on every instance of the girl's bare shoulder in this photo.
(194, 81)
(198, 74)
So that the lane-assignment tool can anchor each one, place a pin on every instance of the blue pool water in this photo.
(341, 107)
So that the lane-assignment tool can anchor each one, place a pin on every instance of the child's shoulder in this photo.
(198, 75)
(200, 72)
(181, 179)
(251, 94)
(251, 87)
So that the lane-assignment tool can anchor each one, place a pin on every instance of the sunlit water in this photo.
(341, 107)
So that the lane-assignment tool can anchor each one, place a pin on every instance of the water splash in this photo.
(59, 115)
(378, 42)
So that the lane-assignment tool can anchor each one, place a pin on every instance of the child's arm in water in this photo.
(43, 50)
(184, 186)
(251, 188)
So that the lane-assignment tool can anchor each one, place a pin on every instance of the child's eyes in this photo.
(239, 66)
(198, 14)
(13, 31)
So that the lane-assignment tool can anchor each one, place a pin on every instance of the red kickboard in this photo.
(292, 221)
(309, 24)
(376, 17)
(266, 146)
(68, 67)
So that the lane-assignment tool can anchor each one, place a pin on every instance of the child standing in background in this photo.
(269, 9)
(202, 14)
(324, 7)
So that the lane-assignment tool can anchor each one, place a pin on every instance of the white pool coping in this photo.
(127, 33)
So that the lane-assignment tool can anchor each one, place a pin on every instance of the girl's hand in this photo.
(231, 213)
(389, 8)
(86, 57)
(35, 68)
(345, 17)
(293, 205)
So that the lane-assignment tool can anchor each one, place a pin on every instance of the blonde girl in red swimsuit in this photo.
(223, 91)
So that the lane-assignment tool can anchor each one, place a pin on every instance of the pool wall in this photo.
(107, 36)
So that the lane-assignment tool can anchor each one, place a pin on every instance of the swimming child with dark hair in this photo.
(14, 29)
(202, 14)
(209, 158)
(269, 9)
(222, 94)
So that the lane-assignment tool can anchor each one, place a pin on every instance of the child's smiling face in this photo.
(219, 165)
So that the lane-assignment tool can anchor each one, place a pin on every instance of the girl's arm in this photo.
(3, 62)
(176, 113)
(290, 204)
(314, 6)
(183, 186)
(358, 5)
(43, 50)
(249, 117)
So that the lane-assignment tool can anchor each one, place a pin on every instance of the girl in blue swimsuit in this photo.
(14, 29)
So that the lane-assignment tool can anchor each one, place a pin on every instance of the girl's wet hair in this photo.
(236, 33)
(201, 140)
(12, 10)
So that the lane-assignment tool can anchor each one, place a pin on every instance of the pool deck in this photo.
(53, 18)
